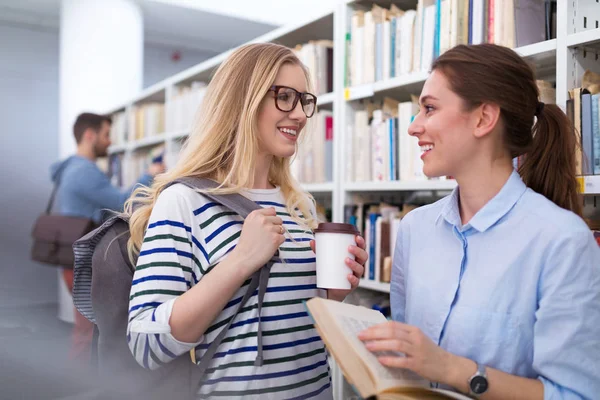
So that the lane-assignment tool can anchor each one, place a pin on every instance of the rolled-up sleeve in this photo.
(171, 260)
(567, 329)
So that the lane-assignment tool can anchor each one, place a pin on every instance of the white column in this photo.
(101, 66)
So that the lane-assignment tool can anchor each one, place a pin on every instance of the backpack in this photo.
(103, 275)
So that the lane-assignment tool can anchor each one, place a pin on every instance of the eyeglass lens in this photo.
(286, 99)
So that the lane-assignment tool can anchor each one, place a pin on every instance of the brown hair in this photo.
(488, 73)
(86, 121)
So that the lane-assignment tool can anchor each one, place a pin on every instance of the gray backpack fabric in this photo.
(102, 284)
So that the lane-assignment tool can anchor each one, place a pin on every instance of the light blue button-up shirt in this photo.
(517, 288)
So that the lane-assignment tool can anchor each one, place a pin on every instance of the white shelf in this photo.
(537, 49)
(398, 82)
(372, 285)
(591, 184)
(149, 141)
(177, 135)
(393, 186)
(584, 38)
(369, 89)
(326, 187)
(117, 148)
(325, 99)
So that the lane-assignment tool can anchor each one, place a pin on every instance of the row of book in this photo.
(118, 130)
(124, 171)
(317, 56)
(386, 43)
(179, 111)
(182, 106)
(583, 108)
(147, 120)
(313, 162)
(378, 223)
(380, 148)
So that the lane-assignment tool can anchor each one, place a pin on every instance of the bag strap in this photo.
(243, 206)
(59, 173)
(212, 349)
(233, 201)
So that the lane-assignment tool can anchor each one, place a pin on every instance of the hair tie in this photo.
(539, 108)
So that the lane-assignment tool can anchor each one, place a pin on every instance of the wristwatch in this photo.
(478, 383)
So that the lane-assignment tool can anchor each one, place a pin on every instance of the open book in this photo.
(338, 325)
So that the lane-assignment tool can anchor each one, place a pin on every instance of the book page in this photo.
(356, 319)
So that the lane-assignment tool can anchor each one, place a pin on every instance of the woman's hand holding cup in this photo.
(341, 257)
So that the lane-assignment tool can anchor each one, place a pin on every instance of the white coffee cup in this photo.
(332, 241)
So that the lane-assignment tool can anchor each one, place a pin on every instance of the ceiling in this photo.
(165, 23)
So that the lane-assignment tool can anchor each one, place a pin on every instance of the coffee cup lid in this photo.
(334, 227)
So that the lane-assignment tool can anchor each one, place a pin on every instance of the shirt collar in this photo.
(490, 213)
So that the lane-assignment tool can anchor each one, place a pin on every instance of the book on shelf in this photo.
(183, 105)
(583, 109)
(313, 161)
(378, 224)
(118, 128)
(384, 43)
(125, 171)
(148, 120)
(338, 324)
(382, 149)
(317, 56)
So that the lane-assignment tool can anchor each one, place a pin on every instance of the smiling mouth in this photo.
(427, 147)
(291, 134)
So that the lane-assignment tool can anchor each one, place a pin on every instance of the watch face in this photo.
(479, 384)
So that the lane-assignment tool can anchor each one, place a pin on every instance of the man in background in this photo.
(85, 191)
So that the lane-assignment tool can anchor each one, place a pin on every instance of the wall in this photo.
(158, 64)
(28, 145)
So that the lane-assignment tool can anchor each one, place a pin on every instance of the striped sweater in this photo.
(187, 235)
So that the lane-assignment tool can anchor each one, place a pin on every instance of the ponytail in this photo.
(549, 166)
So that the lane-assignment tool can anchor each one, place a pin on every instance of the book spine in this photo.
(596, 133)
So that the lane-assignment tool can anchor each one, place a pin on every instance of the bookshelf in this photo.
(573, 48)
(174, 101)
(399, 186)
(377, 286)
(562, 60)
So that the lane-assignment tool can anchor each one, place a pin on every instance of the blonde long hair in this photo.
(224, 143)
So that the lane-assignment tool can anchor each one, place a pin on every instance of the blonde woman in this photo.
(195, 257)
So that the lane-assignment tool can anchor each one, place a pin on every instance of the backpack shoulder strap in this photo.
(235, 202)
(258, 282)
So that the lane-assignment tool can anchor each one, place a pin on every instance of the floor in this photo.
(33, 356)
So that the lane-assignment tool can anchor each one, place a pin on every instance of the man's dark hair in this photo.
(86, 121)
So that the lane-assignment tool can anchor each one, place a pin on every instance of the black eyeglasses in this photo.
(286, 99)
